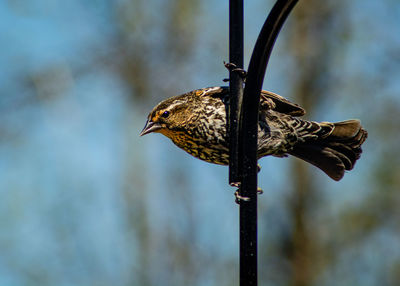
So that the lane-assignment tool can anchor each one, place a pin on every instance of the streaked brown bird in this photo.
(196, 122)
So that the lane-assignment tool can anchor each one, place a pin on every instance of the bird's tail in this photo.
(335, 148)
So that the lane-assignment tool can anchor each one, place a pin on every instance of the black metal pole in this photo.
(248, 138)
(235, 86)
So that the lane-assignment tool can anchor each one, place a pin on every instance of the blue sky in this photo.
(75, 176)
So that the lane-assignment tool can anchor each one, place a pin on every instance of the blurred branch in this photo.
(311, 43)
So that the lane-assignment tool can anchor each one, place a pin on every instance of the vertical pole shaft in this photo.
(235, 86)
(248, 230)
(248, 210)
(249, 137)
(243, 112)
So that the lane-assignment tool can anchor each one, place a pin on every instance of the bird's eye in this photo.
(165, 114)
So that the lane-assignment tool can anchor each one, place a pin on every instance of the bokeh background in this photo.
(85, 201)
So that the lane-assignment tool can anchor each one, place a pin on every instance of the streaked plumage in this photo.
(196, 122)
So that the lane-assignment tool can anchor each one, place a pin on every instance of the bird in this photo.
(196, 122)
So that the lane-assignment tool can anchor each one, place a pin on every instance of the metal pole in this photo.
(235, 86)
(248, 138)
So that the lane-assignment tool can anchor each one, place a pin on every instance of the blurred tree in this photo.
(312, 42)
(320, 34)
(86, 202)
(150, 45)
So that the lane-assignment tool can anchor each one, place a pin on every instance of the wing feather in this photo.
(268, 100)
(278, 103)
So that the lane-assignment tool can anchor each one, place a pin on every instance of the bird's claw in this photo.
(233, 68)
(238, 197)
(235, 184)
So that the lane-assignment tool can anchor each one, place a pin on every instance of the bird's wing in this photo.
(215, 91)
(270, 100)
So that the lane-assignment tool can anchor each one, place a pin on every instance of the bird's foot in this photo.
(233, 68)
(238, 197)
(235, 184)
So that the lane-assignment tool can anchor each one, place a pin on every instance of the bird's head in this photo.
(176, 117)
(170, 116)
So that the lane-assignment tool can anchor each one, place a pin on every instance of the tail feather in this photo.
(334, 151)
(344, 130)
(345, 158)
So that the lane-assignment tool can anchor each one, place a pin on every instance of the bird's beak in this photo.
(150, 127)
